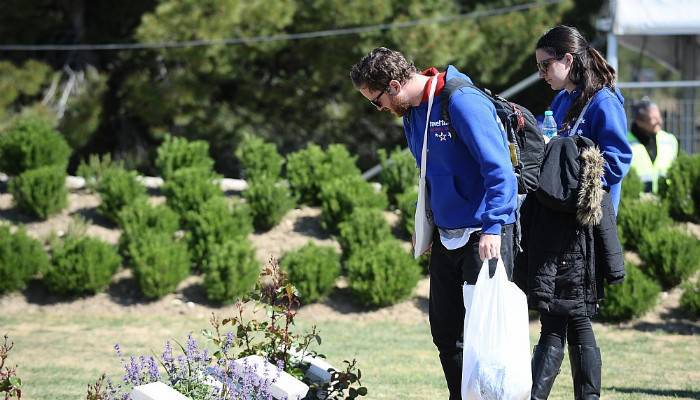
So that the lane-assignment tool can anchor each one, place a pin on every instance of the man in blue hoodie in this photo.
(472, 189)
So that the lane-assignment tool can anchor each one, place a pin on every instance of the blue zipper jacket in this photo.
(470, 178)
(605, 124)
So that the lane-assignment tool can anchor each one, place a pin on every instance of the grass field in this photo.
(58, 355)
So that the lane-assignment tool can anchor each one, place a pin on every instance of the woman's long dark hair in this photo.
(589, 71)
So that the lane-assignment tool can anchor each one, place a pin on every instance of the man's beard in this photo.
(399, 107)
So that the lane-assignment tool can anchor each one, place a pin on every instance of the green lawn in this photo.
(58, 355)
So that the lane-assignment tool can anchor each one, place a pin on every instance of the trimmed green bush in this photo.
(304, 173)
(363, 228)
(313, 270)
(636, 295)
(339, 162)
(632, 185)
(269, 201)
(636, 217)
(406, 203)
(118, 188)
(309, 168)
(32, 143)
(690, 300)
(21, 257)
(96, 166)
(159, 262)
(399, 173)
(670, 256)
(341, 196)
(258, 158)
(188, 188)
(177, 152)
(40, 192)
(682, 188)
(215, 222)
(81, 265)
(383, 274)
(232, 271)
(139, 218)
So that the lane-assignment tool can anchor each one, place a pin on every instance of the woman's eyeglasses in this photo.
(375, 101)
(544, 64)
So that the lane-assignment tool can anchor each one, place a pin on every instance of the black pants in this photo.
(557, 329)
(449, 269)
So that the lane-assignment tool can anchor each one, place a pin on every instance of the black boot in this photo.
(546, 363)
(585, 370)
(452, 367)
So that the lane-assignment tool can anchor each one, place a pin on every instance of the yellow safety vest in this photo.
(666, 152)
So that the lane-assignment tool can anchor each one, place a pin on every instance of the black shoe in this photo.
(585, 370)
(546, 364)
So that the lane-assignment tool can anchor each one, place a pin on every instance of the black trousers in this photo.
(449, 269)
(556, 329)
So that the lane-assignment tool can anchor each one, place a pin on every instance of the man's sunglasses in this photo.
(375, 101)
(544, 64)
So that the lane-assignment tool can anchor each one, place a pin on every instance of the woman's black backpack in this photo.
(524, 136)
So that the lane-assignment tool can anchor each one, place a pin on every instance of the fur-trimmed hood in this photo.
(571, 178)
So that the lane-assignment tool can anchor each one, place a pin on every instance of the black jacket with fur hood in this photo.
(569, 232)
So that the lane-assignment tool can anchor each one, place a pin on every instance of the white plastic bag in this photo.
(496, 358)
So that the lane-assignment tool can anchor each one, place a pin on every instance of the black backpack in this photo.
(525, 139)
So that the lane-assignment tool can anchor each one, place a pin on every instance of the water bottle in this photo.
(549, 125)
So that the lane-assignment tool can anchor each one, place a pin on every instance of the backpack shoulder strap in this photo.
(451, 86)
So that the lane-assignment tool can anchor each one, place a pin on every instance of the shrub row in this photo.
(36, 156)
(309, 168)
(313, 270)
(32, 143)
(340, 196)
(176, 153)
(681, 188)
(636, 295)
(690, 300)
(81, 265)
(118, 188)
(215, 222)
(21, 258)
(399, 173)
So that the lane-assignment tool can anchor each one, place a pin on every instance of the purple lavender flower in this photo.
(167, 353)
(152, 366)
(133, 372)
(191, 349)
(182, 370)
(118, 349)
(228, 342)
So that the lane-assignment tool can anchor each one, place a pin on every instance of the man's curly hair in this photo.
(379, 67)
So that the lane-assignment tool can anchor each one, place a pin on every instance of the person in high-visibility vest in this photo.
(653, 149)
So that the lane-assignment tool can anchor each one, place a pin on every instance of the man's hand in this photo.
(489, 246)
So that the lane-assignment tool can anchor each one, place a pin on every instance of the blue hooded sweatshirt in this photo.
(470, 178)
(605, 124)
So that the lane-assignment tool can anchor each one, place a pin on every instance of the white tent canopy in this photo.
(657, 17)
(668, 30)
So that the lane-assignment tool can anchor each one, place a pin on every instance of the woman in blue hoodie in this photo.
(568, 63)
(589, 105)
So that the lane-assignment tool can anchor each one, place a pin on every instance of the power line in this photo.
(275, 38)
